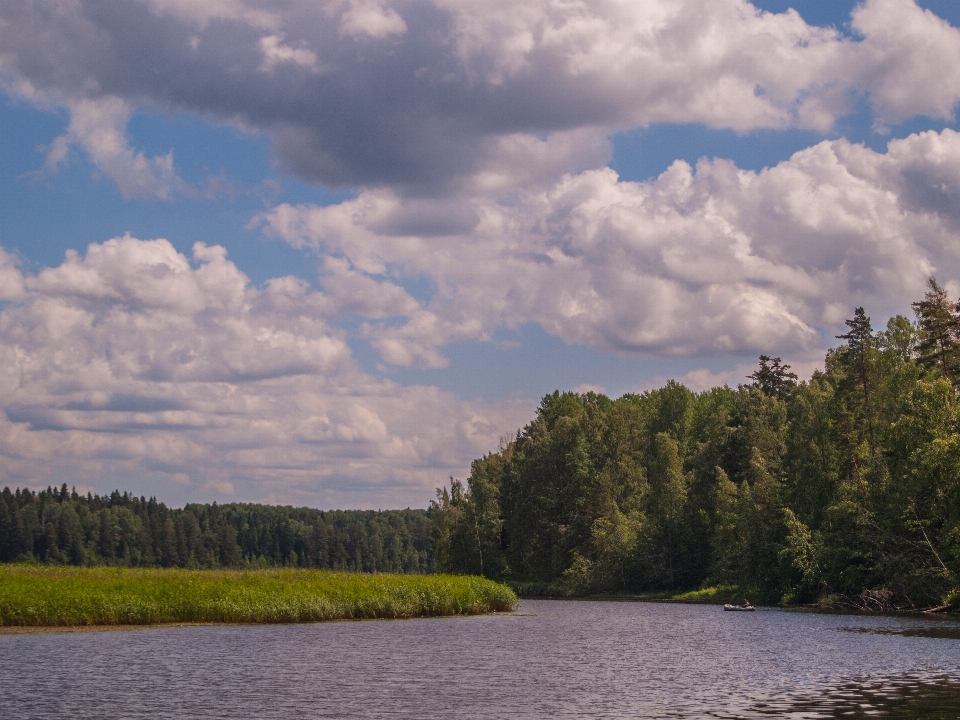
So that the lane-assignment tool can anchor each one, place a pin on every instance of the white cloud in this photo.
(275, 53)
(371, 19)
(705, 260)
(480, 96)
(99, 127)
(135, 362)
(725, 64)
(11, 281)
(352, 292)
(909, 60)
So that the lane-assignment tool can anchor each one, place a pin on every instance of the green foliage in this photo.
(70, 596)
(846, 485)
(60, 527)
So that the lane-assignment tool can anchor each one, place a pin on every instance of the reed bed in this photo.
(75, 596)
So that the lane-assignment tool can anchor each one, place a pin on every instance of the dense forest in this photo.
(844, 486)
(60, 526)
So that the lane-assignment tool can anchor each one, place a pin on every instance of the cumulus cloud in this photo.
(99, 127)
(432, 94)
(699, 260)
(909, 60)
(133, 361)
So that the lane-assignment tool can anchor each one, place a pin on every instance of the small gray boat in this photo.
(739, 608)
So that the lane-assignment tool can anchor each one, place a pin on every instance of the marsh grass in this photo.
(74, 596)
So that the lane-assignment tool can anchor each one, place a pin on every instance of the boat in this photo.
(739, 608)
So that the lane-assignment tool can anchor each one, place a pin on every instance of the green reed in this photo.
(69, 596)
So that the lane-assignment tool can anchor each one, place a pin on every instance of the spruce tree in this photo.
(858, 356)
(939, 321)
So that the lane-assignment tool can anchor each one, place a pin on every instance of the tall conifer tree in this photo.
(939, 321)
(857, 354)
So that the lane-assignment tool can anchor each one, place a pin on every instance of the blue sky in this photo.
(432, 214)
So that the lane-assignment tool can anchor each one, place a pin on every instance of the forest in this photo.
(62, 527)
(843, 487)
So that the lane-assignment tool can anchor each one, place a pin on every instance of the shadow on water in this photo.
(937, 633)
(901, 698)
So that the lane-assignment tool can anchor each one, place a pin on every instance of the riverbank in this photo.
(868, 602)
(43, 596)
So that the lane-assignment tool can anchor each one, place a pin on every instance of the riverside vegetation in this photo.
(841, 489)
(75, 596)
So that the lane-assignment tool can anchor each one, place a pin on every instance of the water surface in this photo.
(565, 659)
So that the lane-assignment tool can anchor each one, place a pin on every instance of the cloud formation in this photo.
(475, 136)
(133, 363)
(428, 94)
(99, 127)
(697, 261)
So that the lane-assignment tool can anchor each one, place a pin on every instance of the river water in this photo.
(551, 659)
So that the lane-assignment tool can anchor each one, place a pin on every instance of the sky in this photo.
(327, 252)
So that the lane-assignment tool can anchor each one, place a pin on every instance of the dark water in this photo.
(551, 659)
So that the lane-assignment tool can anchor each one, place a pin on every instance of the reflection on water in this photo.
(551, 659)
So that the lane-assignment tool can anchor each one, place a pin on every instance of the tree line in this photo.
(61, 526)
(842, 486)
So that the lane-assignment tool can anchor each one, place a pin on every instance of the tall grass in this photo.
(71, 596)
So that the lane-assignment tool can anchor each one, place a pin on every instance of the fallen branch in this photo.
(926, 537)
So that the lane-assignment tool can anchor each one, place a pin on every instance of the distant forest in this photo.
(60, 526)
(844, 486)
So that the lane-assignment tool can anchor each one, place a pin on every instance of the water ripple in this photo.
(552, 659)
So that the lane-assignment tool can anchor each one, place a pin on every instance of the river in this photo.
(550, 659)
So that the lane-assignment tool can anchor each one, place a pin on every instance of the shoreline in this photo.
(829, 609)
(33, 629)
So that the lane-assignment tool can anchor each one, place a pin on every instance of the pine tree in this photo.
(773, 378)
